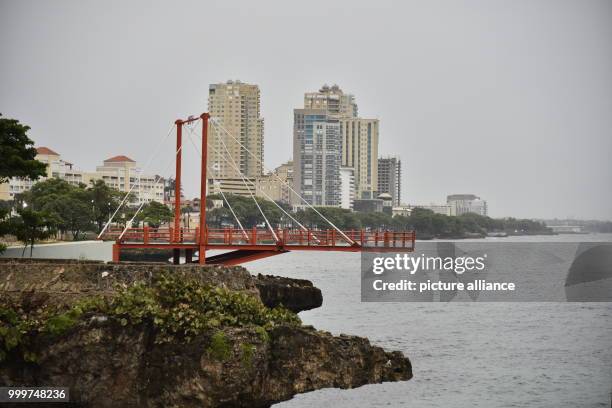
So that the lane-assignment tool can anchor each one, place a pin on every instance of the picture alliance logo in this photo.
(413, 264)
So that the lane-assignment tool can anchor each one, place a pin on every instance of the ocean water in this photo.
(489, 354)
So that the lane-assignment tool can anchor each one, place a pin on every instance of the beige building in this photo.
(236, 186)
(236, 107)
(119, 172)
(360, 151)
(277, 185)
(273, 186)
(56, 167)
(333, 100)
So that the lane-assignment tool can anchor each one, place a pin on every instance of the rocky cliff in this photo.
(182, 336)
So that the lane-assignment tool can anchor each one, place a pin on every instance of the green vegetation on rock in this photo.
(177, 309)
(248, 351)
(219, 348)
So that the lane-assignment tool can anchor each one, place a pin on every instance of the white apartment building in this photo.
(466, 203)
(347, 187)
(317, 154)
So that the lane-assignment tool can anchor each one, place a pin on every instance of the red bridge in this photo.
(242, 245)
(257, 243)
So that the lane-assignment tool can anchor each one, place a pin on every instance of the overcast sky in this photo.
(509, 100)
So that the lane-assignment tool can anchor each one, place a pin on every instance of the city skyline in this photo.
(510, 115)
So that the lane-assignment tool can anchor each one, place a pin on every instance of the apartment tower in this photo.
(317, 154)
(236, 107)
(390, 178)
(360, 151)
(337, 103)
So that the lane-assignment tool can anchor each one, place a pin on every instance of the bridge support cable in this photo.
(192, 132)
(145, 168)
(155, 182)
(266, 195)
(231, 159)
(215, 121)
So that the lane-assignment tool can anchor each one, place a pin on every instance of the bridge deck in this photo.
(258, 243)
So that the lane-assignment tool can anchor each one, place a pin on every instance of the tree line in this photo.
(427, 223)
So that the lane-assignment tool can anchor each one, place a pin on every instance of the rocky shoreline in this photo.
(106, 363)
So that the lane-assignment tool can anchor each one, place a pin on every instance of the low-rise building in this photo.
(56, 167)
(238, 186)
(119, 172)
(402, 210)
(466, 203)
(371, 205)
(436, 208)
(387, 200)
(122, 173)
(278, 184)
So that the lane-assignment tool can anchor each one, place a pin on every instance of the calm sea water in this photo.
(463, 354)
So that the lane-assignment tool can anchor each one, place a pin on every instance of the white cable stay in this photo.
(155, 182)
(145, 168)
(264, 193)
(191, 131)
(215, 121)
(235, 165)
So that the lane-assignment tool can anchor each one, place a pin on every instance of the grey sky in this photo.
(509, 100)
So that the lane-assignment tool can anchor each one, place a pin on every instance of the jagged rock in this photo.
(106, 364)
(295, 294)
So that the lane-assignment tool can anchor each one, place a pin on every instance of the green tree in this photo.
(68, 206)
(32, 226)
(5, 211)
(155, 214)
(246, 210)
(104, 200)
(187, 209)
(72, 212)
(17, 152)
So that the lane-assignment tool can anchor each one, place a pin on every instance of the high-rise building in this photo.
(337, 103)
(317, 154)
(390, 178)
(236, 107)
(466, 203)
(360, 151)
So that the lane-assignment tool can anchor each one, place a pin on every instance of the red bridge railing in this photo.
(311, 238)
